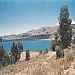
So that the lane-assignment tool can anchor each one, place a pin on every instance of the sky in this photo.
(19, 16)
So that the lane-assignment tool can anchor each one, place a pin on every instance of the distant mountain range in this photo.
(41, 33)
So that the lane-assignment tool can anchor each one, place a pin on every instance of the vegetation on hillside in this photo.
(55, 41)
(44, 65)
(64, 34)
(16, 50)
(27, 55)
(65, 28)
(11, 57)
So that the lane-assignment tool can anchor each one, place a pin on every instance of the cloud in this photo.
(73, 22)
(57, 23)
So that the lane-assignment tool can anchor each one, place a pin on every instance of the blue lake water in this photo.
(33, 45)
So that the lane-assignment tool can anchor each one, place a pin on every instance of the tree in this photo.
(74, 41)
(65, 28)
(55, 41)
(2, 53)
(20, 46)
(58, 51)
(11, 58)
(20, 49)
(14, 51)
(13, 48)
(53, 45)
(56, 37)
(27, 55)
(7, 60)
(3, 61)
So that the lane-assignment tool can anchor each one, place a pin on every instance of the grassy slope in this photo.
(43, 65)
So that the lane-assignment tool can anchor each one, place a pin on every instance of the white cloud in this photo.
(73, 22)
(57, 23)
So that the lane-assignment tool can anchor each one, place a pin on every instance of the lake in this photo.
(33, 45)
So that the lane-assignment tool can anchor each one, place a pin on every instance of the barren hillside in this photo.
(41, 33)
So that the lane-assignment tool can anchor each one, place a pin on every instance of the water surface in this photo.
(34, 45)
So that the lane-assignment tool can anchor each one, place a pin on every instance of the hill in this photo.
(46, 64)
(41, 33)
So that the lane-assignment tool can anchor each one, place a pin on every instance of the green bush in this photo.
(53, 45)
(27, 55)
(58, 52)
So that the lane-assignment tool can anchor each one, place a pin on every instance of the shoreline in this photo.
(5, 40)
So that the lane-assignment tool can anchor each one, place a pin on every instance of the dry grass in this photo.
(68, 59)
(41, 65)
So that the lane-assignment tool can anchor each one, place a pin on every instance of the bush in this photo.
(0, 65)
(53, 45)
(2, 53)
(46, 50)
(58, 52)
(27, 55)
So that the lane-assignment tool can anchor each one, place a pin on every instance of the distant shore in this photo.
(4, 40)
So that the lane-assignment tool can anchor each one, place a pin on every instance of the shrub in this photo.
(53, 45)
(27, 55)
(58, 52)
(46, 50)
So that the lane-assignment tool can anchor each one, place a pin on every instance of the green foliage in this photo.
(53, 45)
(2, 53)
(27, 55)
(16, 50)
(3, 61)
(42, 52)
(12, 57)
(65, 30)
(56, 37)
(74, 41)
(12, 60)
(20, 46)
(0, 65)
(55, 41)
(62, 53)
(46, 50)
(58, 52)
(4, 57)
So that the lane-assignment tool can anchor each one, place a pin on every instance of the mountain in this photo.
(41, 33)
